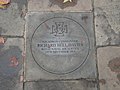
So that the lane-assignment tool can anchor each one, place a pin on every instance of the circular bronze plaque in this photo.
(60, 45)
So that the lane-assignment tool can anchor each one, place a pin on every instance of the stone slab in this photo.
(109, 68)
(61, 85)
(107, 22)
(12, 18)
(57, 5)
(40, 64)
(11, 61)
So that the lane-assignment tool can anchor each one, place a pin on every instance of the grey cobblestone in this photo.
(11, 61)
(12, 18)
(61, 85)
(57, 5)
(107, 22)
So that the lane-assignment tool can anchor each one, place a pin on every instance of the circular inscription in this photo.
(60, 45)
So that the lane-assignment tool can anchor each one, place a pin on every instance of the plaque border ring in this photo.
(52, 72)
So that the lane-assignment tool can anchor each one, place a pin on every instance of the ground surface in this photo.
(25, 26)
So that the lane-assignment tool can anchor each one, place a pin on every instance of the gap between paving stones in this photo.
(7, 36)
(61, 11)
(82, 79)
(86, 79)
(101, 46)
(93, 10)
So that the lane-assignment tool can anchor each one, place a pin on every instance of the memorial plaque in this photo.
(60, 45)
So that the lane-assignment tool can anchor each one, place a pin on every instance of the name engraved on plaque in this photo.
(60, 46)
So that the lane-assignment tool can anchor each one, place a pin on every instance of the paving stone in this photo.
(12, 19)
(11, 64)
(55, 5)
(64, 63)
(61, 85)
(107, 22)
(109, 68)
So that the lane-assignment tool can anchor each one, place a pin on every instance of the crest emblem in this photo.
(59, 29)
